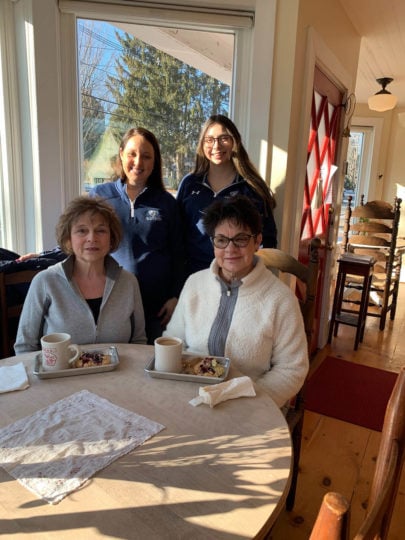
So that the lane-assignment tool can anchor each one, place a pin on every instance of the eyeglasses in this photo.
(240, 240)
(222, 139)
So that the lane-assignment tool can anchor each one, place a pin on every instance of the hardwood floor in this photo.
(338, 456)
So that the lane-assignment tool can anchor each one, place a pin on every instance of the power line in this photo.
(113, 44)
(107, 113)
(100, 99)
(120, 116)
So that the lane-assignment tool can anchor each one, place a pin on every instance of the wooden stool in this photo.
(353, 265)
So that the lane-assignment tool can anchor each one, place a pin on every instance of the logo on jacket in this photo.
(153, 215)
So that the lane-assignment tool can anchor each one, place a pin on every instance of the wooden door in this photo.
(321, 182)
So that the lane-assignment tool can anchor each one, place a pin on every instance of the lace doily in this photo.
(57, 449)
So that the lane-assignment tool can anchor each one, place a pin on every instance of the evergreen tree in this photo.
(172, 99)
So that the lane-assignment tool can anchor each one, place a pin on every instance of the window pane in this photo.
(164, 79)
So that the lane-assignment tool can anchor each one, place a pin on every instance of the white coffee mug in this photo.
(168, 354)
(57, 351)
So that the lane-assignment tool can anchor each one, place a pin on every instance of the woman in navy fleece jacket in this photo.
(222, 170)
(152, 245)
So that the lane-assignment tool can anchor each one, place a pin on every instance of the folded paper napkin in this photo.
(13, 378)
(215, 393)
(55, 450)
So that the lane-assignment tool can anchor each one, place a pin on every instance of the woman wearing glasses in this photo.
(223, 169)
(239, 309)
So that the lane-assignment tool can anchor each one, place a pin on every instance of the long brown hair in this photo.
(156, 177)
(240, 158)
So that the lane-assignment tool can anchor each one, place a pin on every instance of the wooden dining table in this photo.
(211, 473)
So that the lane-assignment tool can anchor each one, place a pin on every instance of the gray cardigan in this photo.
(55, 304)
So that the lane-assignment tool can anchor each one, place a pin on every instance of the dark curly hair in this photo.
(239, 210)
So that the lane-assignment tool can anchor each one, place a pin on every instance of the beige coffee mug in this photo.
(57, 351)
(168, 354)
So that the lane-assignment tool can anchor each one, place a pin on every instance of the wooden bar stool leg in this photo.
(333, 328)
(341, 292)
(355, 318)
(364, 317)
(362, 312)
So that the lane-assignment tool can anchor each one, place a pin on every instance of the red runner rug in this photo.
(350, 392)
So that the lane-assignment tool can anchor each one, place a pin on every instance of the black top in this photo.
(94, 305)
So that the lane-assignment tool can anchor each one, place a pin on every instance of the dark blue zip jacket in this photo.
(152, 246)
(194, 196)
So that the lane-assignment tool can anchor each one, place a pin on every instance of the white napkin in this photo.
(13, 378)
(215, 393)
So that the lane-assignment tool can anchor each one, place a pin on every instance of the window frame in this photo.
(44, 112)
(214, 20)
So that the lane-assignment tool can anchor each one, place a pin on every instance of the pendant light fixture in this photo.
(382, 100)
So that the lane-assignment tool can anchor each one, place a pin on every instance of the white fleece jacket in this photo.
(266, 339)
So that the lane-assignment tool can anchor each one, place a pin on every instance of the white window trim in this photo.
(370, 175)
(70, 108)
(19, 162)
(213, 20)
(156, 14)
(10, 165)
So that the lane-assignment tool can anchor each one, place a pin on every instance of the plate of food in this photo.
(195, 368)
(91, 360)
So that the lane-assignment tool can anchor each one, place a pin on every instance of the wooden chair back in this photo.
(307, 275)
(10, 312)
(372, 229)
(389, 466)
(332, 522)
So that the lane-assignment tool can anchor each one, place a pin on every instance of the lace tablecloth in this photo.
(57, 449)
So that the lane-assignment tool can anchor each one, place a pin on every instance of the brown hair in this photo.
(156, 177)
(240, 159)
(79, 206)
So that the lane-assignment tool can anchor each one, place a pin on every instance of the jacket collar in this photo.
(112, 268)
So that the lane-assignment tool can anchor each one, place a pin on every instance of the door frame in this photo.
(325, 139)
(318, 53)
